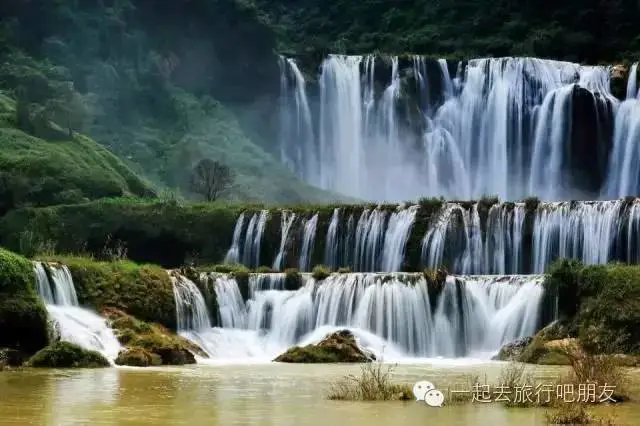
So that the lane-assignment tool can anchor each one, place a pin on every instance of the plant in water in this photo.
(513, 377)
(575, 414)
(602, 370)
(373, 384)
(320, 272)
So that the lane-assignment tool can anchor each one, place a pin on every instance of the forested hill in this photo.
(160, 84)
(589, 31)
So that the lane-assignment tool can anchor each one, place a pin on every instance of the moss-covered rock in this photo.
(340, 346)
(23, 319)
(511, 351)
(149, 344)
(67, 355)
(138, 357)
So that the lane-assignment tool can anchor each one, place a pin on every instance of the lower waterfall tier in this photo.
(394, 316)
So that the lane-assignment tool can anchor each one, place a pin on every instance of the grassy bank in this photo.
(23, 319)
(144, 291)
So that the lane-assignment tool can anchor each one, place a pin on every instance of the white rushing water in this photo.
(465, 241)
(395, 316)
(497, 126)
(74, 323)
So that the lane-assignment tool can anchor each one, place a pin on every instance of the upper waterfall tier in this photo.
(466, 238)
(397, 128)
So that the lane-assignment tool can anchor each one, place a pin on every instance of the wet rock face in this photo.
(511, 351)
(619, 75)
(340, 346)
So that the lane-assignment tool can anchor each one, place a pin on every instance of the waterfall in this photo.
(393, 130)
(247, 252)
(331, 245)
(397, 313)
(463, 238)
(233, 255)
(369, 238)
(624, 163)
(285, 226)
(396, 236)
(297, 140)
(585, 232)
(191, 309)
(75, 324)
(308, 239)
(632, 82)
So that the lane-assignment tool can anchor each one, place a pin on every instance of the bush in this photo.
(575, 414)
(67, 355)
(292, 280)
(599, 369)
(320, 272)
(373, 384)
(227, 268)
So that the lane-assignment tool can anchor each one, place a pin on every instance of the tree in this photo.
(211, 179)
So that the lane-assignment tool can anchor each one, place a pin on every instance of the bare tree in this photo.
(211, 179)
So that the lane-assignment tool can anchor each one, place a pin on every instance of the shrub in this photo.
(320, 272)
(373, 384)
(292, 280)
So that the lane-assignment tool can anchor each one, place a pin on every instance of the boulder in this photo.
(67, 355)
(138, 357)
(512, 351)
(340, 346)
(149, 344)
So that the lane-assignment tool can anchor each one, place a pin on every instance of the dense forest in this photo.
(165, 84)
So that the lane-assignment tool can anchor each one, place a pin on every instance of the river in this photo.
(259, 394)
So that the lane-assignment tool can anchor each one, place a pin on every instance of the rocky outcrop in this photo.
(149, 344)
(619, 74)
(512, 351)
(340, 346)
(67, 355)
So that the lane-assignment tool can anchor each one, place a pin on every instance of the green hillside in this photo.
(34, 171)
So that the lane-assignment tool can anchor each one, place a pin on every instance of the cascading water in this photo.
(308, 239)
(398, 314)
(247, 252)
(392, 129)
(331, 249)
(74, 324)
(465, 238)
(286, 224)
